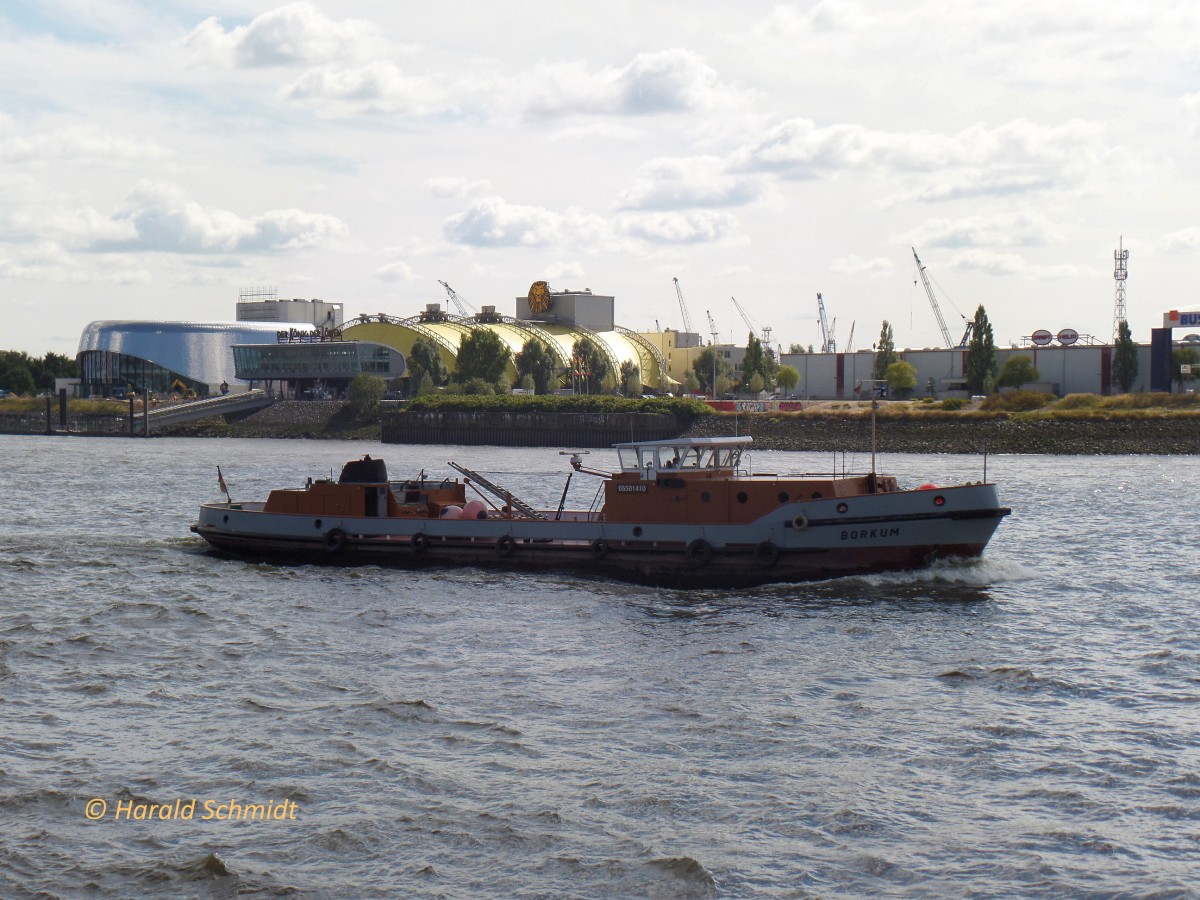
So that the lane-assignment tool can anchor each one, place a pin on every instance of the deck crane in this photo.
(765, 329)
(937, 310)
(687, 320)
(828, 341)
(464, 309)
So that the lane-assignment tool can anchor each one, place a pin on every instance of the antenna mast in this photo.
(1120, 273)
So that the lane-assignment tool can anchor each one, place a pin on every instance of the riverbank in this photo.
(1127, 432)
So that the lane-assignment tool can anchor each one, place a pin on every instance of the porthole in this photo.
(225, 519)
(317, 524)
(816, 495)
(637, 531)
(842, 507)
(705, 497)
(939, 500)
(783, 497)
(742, 497)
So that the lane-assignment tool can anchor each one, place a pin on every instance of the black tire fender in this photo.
(766, 554)
(599, 549)
(698, 552)
(419, 542)
(334, 540)
(800, 522)
(505, 546)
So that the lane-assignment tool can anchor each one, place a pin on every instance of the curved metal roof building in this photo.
(566, 318)
(157, 356)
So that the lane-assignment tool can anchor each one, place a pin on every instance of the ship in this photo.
(684, 513)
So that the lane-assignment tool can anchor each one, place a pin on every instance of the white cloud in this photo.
(296, 34)
(1006, 230)
(370, 88)
(1189, 107)
(493, 222)
(160, 217)
(695, 227)
(81, 145)
(690, 182)
(877, 267)
(1017, 157)
(669, 81)
(1185, 240)
(447, 187)
(398, 271)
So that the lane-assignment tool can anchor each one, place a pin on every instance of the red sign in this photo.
(1068, 336)
(1042, 337)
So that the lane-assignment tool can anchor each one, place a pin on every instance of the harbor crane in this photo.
(753, 326)
(937, 310)
(828, 341)
(850, 340)
(687, 320)
(464, 309)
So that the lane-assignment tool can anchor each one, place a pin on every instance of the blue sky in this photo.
(157, 158)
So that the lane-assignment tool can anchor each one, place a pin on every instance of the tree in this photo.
(691, 384)
(1125, 361)
(702, 365)
(537, 362)
(364, 394)
(19, 380)
(631, 379)
(885, 352)
(757, 361)
(787, 378)
(425, 360)
(981, 353)
(1016, 371)
(590, 366)
(901, 378)
(481, 354)
(798, 348)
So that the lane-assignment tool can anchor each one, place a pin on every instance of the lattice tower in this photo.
(1120, 273)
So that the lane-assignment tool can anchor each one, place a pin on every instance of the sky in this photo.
(158, 158)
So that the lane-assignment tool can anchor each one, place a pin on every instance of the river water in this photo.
(1024, 725)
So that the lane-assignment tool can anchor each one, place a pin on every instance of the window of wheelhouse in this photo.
(630, 459)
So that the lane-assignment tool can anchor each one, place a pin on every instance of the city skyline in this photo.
(156, 159)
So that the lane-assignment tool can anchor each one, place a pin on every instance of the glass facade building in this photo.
(162, 357)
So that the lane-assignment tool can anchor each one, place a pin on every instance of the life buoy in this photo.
(599, 549)
(334, 540)
(766, 554)
(419, 542)
(505, 545)
(800, 522)
(698, 552)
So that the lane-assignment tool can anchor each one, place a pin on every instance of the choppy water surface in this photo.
(1026, 725)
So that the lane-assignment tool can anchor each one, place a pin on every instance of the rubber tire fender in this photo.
(766, 554)
(505, 546)
(599, 549)
(800, 522)
(698, 552)
(334, 541)
(419, 542)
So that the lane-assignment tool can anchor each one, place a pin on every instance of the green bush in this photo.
(953, 403)
(1016, 401)
(1079, 401)
(364, 394)
(567, 403)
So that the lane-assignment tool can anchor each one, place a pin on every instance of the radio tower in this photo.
(1120, 273)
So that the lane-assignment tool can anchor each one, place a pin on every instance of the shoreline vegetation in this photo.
(1012, 423)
